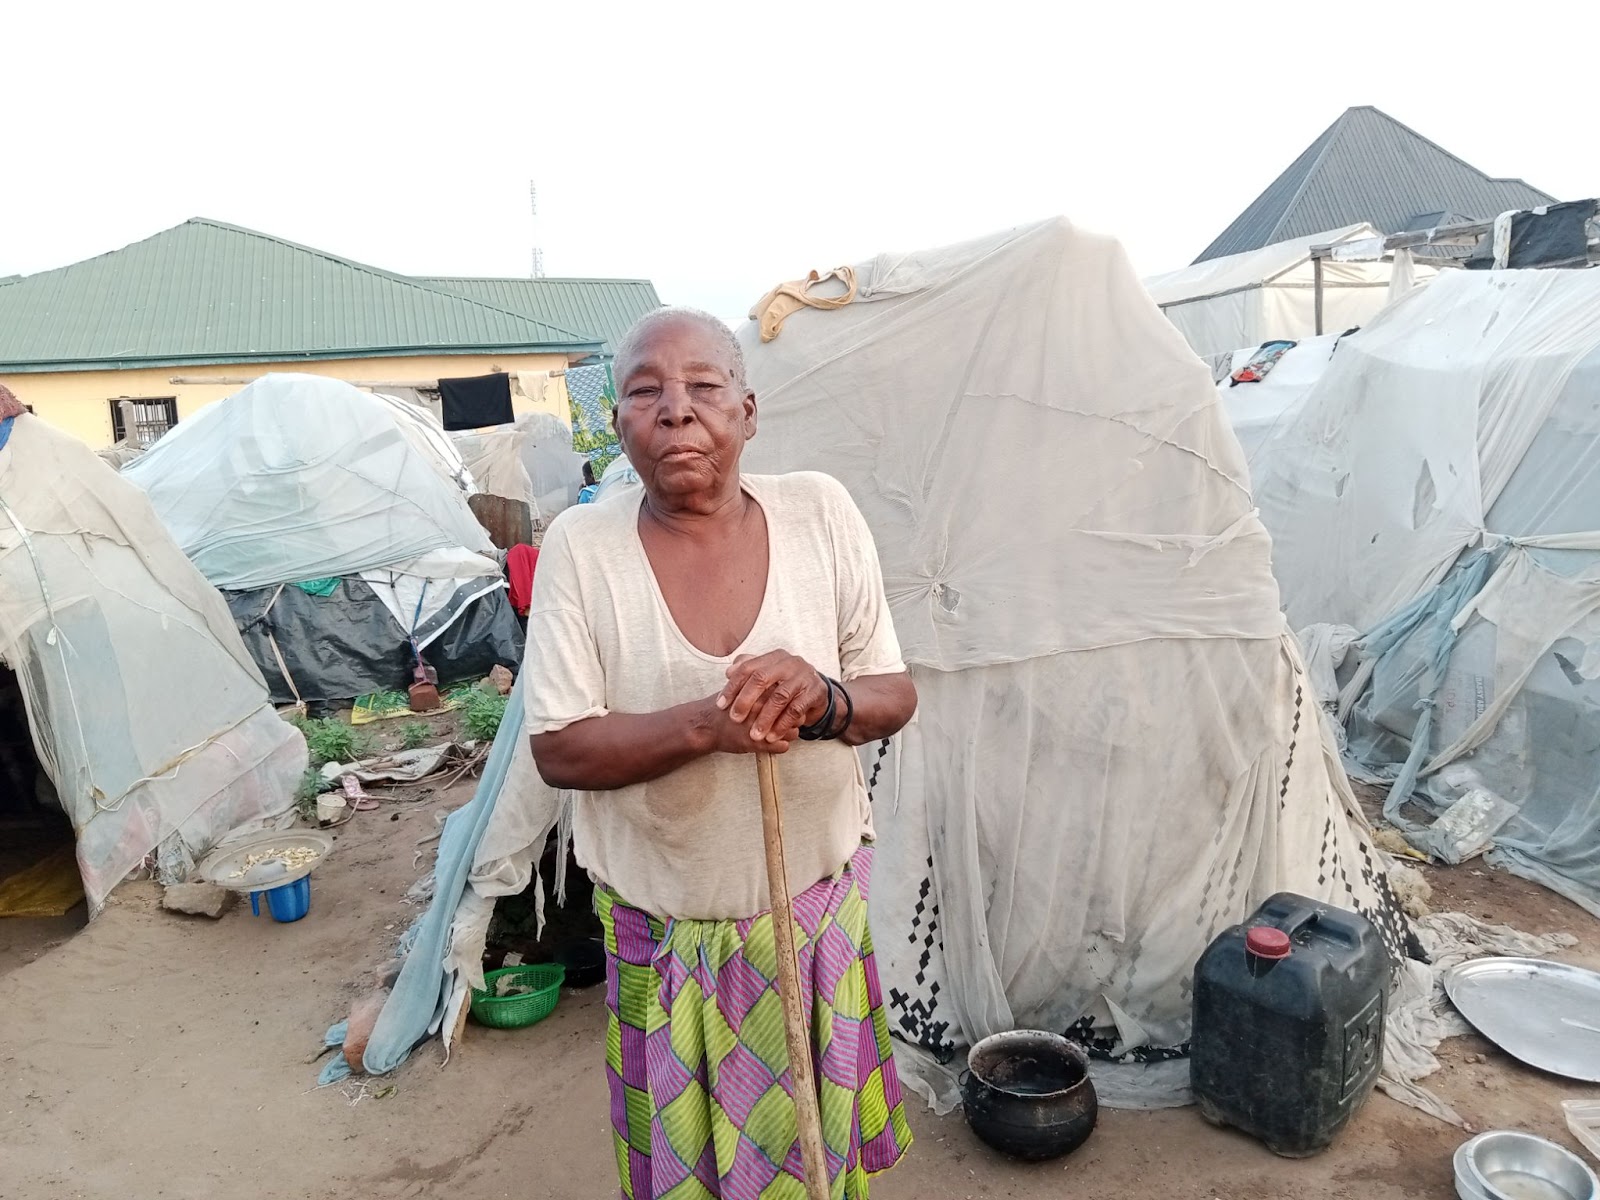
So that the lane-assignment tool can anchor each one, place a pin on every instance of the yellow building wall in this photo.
(79, 401)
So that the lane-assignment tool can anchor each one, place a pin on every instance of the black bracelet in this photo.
(819, 731)
(849, 710)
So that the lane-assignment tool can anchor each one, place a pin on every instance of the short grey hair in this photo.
(628, 346)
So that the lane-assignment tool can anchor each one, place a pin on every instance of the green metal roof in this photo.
(206, 292)
(607, 307)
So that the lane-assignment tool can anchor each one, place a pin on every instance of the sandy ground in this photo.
(153, 1055)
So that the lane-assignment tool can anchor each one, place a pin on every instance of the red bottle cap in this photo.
(1265, 942)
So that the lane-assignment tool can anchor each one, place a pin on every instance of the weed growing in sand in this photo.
(331, 740)
(481, 714)
(306, 793)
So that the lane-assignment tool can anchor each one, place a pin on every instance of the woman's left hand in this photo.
(776, 693)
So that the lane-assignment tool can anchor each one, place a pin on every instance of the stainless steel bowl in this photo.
(1505, 1164)
(1467, 1187)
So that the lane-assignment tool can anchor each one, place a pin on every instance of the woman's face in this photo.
(681, 416)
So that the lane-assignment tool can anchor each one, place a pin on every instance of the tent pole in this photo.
(1316, 284)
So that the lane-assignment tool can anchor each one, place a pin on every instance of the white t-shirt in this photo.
(601, 640)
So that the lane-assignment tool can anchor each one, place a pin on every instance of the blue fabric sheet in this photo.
(1431, 615)
(423, 988)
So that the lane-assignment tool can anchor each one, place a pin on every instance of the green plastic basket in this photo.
(515, 1012)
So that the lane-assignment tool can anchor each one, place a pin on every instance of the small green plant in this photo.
(413, 734)
(331, 740)
(481, 714)
(306, 793)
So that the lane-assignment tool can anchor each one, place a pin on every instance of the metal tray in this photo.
(1545, 1013)
(226, 866)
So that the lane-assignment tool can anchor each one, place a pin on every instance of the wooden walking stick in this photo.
(813, 1157)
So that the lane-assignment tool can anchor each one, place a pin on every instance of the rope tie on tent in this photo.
(416, 619)
(283, 667)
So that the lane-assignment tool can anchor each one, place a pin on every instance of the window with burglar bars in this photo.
(152, 417)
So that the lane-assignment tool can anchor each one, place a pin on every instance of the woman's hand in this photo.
(771, 696)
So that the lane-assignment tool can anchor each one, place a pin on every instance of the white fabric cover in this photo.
(1254, 297)
(1257, 410)
(531, 460)
(417, 591)
(422, 428)
(1419, 425)
(1116, 753)
(1465, 420)
(146, 710)
(299, 477)
(619, 474)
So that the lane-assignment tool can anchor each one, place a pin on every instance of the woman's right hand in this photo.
(728, 736)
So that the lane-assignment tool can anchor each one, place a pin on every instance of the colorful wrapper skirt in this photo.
(701, 1096)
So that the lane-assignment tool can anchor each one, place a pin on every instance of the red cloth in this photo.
(521, 562)
(10, 406)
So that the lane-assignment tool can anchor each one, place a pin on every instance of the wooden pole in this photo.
(813, 1156)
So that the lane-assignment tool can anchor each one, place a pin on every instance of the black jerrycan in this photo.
(1288, 1023)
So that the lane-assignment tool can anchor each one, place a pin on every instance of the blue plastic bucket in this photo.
(287, 903)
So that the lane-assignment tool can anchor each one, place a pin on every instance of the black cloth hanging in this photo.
(1553, 236)
(477, 401)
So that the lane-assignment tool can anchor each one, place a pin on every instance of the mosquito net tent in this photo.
(332, 519)
(1115, 754)
(146, 712)
(1439, 490)
(423, 429)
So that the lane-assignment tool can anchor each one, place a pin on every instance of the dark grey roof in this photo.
(1369, 167)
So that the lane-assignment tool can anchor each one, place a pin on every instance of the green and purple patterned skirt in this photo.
(701, 1099)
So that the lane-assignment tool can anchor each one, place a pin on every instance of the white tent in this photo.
(423, 430)
(1440, 488)
(1116, 754)
(299, 479)
(1258, 410)
(146, 712)
(1268, 294)
(531, 460)
(617, 475)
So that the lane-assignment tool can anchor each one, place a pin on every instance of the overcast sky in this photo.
(719, 148)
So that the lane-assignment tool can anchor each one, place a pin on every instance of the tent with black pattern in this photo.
(1117, 754)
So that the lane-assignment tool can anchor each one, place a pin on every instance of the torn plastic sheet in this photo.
(402, 766)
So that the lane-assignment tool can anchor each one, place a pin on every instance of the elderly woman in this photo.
(673, 634)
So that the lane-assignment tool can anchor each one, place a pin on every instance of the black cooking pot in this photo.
(1027, 1093)
(585, 961)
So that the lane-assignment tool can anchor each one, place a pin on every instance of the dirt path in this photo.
(158, 1056)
